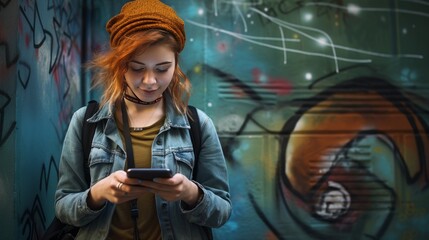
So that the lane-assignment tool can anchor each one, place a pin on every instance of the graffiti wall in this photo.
(321, 107)
(322, 110)
(8, 61)
(42, 47)
(46, 79)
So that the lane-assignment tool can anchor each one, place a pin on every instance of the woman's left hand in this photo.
(175, 188)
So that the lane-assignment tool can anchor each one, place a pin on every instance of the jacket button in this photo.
(164, 205)
(158, 142)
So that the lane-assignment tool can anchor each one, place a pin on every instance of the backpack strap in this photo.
(195, 133)
(88, 130)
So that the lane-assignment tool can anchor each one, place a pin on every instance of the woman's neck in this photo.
(144, 115)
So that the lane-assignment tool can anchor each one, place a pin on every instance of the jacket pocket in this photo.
(100, 163)
(184, 162)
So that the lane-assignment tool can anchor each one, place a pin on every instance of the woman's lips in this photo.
(148, 91)
(148, 94)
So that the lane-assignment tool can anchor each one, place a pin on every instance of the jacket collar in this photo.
(172, 119)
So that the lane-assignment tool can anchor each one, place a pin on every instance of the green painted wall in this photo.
(322, 108)
(40, 67)
(8, 70)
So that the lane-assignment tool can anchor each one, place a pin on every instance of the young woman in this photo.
(145, 100)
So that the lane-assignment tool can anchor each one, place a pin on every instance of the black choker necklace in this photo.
(138, 101)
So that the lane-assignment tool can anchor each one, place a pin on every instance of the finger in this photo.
(120, 176)
(119, 186)
(133, 181)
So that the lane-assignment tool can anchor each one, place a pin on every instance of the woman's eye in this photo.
(161, 70)
(137, 69)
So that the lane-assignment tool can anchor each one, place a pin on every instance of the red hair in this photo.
(110, 67)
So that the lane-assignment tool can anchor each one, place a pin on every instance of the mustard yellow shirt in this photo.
(122, 225)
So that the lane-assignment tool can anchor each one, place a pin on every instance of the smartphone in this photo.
(149, 173)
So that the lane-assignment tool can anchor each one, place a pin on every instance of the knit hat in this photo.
(142, 15)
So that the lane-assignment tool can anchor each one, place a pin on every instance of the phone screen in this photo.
(149, 173)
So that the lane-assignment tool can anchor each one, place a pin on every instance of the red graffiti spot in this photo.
(222, 47)
(270, 236)
(237, 91)
(278, 85)
(27, 40)
(56, 75)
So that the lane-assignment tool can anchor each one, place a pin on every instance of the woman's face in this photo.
(149, 73)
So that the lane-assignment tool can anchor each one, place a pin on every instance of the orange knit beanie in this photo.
(141, 15)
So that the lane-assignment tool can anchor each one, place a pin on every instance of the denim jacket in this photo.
(171, 148)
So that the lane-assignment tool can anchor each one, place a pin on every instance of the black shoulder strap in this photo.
(88, 131)
(195, 131)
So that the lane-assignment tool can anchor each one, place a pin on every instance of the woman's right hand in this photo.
(116, 188)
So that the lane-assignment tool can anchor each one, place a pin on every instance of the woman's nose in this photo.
(149, 78)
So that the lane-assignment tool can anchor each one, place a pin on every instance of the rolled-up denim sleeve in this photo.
(215, 208)
(72, 188)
